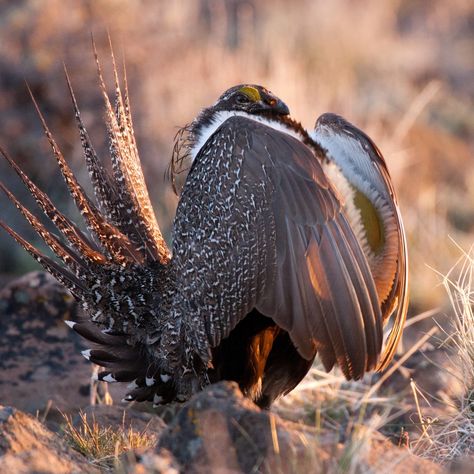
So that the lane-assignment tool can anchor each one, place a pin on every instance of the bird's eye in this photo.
(242, 99)
(271, 102)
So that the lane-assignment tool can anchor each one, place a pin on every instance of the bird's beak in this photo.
(281, 108)
(272, 106)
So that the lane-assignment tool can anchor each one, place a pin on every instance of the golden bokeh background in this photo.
(402, 70)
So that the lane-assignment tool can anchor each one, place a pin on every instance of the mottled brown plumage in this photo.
(265, 270)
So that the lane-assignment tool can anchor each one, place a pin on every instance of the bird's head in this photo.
(252, 99)
(248, 99)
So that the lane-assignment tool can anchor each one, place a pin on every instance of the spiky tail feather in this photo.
(137, 210)
(126, 256)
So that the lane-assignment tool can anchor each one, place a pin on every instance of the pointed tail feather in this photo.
(67, 255)
(128, 172)
(112, 240)
(127, 107)
(69, 280)
(104, 190)
(72, 233)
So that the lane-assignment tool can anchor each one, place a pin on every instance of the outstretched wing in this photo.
(259, 226)
(364, 166)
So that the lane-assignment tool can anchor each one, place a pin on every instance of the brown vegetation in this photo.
(401, 70)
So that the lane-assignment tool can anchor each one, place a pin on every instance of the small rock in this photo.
(26, 446)
(161, 462)
(219, 430)
(40, 356)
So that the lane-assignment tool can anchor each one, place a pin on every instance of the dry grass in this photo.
(102, 445)
(451, 438)
(402, 70)
(351, 414)
(438, 427)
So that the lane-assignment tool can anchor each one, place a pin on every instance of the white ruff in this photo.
(346, 194)
(349, 164)
(220, 117)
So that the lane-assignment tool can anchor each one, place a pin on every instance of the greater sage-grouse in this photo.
(286, 244)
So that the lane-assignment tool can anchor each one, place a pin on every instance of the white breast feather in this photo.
(220, 117)
(349, 164)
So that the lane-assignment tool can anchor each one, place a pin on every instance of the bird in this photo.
(287, 244)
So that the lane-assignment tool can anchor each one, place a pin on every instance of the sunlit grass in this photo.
(102, 445)
(398, 75)
(452, 437)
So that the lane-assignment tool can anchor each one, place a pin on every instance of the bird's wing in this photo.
(259, 226)
(358, 156)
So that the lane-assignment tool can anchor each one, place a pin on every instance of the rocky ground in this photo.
(45, 385)
(399, 69)
(216, 431)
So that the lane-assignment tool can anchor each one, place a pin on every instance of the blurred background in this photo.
(403, 70)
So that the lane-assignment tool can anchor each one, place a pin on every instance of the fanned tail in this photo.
(119, 273)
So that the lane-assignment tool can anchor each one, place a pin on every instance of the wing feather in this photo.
(363, 164)
(258, 202)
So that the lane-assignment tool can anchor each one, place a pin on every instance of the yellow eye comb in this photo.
(251, 93)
